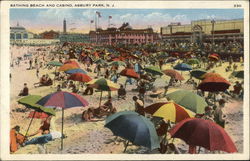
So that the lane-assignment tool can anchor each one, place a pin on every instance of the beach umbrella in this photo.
(197, 73)
(153, 70)
(80, 77)
(55, 63)
(66, 67)
(238, 74)
(213, 57)
(189, 100)
(129, 73)
(193, 61)
(214, 84)
(204, 133)
(62, 100)
(30, 102)
(171, 59)
(173, 73)
(169, 111)
(103, 85)
(100, 61)
(133, 127)
(72, 62)
(210, 75)
(118, 63)
(214, 54)
(77, 70)
(38, 115)
(183, 67)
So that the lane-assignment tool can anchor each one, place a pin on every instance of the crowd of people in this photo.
(96, 60)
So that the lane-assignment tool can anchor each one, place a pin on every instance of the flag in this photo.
(110, 17)
(98, 13)
(92, 21)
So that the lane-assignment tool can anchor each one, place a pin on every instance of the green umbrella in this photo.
(197, 73)
(189, 100)
(118, 63)
(30, 102)
(55, 63)
(238, 74)
(153, 70)
(100, 61)
(193, 61)
(133, 127)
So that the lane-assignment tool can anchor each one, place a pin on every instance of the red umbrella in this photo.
(72, 62)
(129, 73)
(174, 74)
(214, 54)
(80, 77)
(38, 115)
(214, 84)
(213, 57)
(204, 133)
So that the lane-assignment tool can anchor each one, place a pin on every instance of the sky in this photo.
(78, 20)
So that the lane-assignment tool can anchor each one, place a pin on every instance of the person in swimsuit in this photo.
(44, 129)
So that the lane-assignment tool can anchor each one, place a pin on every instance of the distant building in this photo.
(50, 35)
(74, 37)
(123, 35)
(18, 33)
(201, 30)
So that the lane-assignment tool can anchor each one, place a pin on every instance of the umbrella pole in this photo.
(100, 100)
(30, 124)
(126, 146)
(199, 150)
(62, 129)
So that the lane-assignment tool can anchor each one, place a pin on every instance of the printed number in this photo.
(237, 5)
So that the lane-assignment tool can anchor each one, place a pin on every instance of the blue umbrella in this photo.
(133, 127)
(183, 67)
(78, 70)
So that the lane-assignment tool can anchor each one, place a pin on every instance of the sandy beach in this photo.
(92, 137)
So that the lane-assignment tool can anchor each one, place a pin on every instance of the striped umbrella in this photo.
(72, 62)
(103, 85)
(169, 111)
(66, 67)
(77, 70)
(62, 100)
(80, 77)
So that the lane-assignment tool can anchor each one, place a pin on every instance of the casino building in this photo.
(122, 35)
(205, 31)
(18, 33)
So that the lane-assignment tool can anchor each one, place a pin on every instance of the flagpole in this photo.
(95, 22)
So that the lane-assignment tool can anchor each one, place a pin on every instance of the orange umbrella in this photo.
(66, 67)
(210, 75)
(72, 62)
(213, 57)
(80, 77)
(129, 73)
(174, 74)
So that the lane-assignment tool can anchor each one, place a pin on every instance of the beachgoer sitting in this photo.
(218, 114)
(88, 91)
(121, 92)
(45, 138)
(45, 128)
(16, 139)
(49, 81)
(41, 82)
(237, 89)
(108, 107)
(25, 91)
(58, 88)
(139, 106)
(87, 115)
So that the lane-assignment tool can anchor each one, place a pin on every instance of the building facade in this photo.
(18, 33)
(74, 37)
(123, 35)
(205, 30)
(50, 35)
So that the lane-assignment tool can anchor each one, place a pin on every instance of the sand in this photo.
(93, 137)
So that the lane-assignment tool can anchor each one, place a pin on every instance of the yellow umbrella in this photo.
(169, 111)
